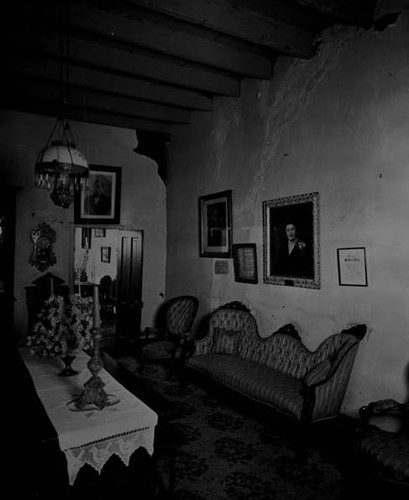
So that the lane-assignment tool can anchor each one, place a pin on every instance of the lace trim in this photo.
(112, 436)
(97, 453)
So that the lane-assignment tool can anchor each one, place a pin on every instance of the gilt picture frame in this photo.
(215, 224)
(291, 245)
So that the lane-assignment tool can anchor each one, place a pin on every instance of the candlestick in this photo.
(97, 319)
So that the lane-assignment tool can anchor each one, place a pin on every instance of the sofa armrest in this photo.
(318, 373)
(203, 346)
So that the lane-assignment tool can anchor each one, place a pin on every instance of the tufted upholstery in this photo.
(279, 370)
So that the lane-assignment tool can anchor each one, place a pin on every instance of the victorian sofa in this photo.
(279, 370)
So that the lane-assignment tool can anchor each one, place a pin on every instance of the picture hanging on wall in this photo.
(100, 232)
(352, 266)
(106, 254)
(245, 262)
(100, 201)
(215, 225)
(291, 250)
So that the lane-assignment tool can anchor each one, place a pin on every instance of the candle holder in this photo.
(93, 393)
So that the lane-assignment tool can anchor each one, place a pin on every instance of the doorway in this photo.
(112, 258)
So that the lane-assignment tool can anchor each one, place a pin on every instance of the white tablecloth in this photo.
(90, 436)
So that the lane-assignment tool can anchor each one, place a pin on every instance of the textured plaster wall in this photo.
(142, 202)
(337, 124)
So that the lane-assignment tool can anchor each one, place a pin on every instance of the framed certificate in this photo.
(352, 266)
(245, 263)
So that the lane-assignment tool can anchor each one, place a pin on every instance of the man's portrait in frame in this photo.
(99, 201)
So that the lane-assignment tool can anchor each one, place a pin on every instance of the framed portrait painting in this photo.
(215, 225)
(291, 250)
(100, 201)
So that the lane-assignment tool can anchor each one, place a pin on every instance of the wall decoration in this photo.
(99, 202)
(106, 254)
(43, 237)
(86, 237)
(352, 266)
(221, 267)
(100, 232)
(291, 251)
(215, 225)
(245, 262)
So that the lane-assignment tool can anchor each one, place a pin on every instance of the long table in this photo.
(91, 436)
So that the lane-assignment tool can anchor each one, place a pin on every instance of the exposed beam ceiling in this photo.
(147, 64)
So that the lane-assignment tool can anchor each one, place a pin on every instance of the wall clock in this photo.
(43, 238)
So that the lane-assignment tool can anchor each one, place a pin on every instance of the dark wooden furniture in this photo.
(175, 322)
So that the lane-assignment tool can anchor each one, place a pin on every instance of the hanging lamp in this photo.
(60, 167)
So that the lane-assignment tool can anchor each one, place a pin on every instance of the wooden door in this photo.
(129, 287)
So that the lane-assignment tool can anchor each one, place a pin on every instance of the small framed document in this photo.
(245, 263)
(352, 266)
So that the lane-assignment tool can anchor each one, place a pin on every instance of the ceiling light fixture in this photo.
(60, 167)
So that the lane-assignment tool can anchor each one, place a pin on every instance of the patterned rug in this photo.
(229, 455)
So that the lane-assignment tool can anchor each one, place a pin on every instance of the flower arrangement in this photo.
(63, 327)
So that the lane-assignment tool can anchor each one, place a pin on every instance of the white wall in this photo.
(142, 202)
(337, 124)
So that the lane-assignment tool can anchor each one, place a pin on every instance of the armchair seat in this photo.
(386, 452)
(162, 349)
(178, 316)
(389, 452)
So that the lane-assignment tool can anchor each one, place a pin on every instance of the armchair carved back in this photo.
(180, 314)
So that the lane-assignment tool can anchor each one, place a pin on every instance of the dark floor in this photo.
(335, 438)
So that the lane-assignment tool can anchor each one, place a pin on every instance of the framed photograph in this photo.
(100, 201)
(352, 266)
(99, 232)
(106, 254)
(245, 262)
(215, 225)
(291, 249)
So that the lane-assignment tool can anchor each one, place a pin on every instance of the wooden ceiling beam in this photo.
(95, 51)
(102, 79)
(46, 108)
(164, 35)
(227, 17)
(89, 99)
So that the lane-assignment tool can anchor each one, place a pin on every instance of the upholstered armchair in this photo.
(384, 451)
(175, 334)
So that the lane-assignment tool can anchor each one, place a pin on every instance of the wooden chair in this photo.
(175, 334)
